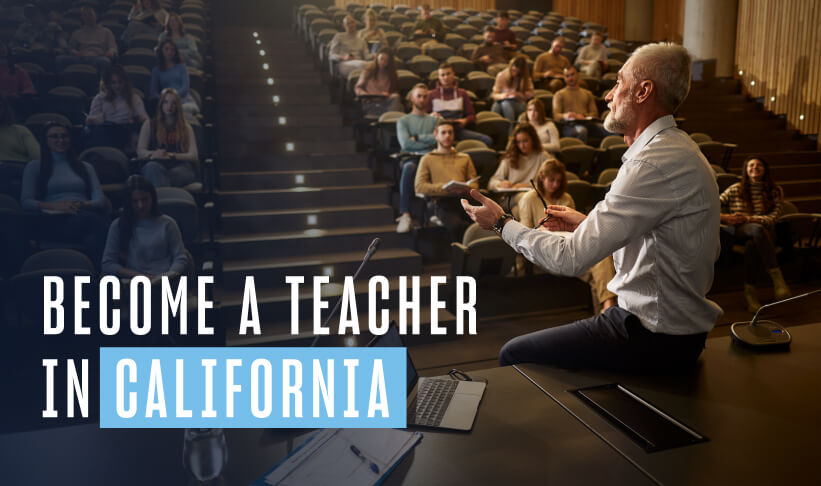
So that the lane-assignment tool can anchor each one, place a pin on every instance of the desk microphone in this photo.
(764, 334)
(368, 254)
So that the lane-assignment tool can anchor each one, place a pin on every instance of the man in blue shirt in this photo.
(415, 133)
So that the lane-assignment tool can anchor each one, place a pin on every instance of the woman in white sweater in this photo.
(519, 164)
(548, 133)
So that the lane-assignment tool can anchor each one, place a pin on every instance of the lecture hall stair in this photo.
(720, 109)
(294, 195)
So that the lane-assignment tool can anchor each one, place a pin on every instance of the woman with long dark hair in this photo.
(116, 102)
(170, 72)
(750, 210)
(512, 89)
(547, 130)
(379, 79)
(519, 164)
(142, 241)
(551, 190)
(65, 194)
(168, 142)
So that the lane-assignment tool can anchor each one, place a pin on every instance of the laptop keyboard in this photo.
(432, 399)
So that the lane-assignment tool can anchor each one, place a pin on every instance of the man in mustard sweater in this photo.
(437, 169)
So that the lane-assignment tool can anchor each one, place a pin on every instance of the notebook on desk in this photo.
(435, 402)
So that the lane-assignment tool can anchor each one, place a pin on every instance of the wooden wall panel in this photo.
(668, 20)
(609, 13)
(457, 4)
(778, 57)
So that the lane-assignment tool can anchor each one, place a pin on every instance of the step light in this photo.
(259, 42)
(299, 179)
(741, 72)
(350, 341)
(255, 34)
(328, 271)
(270, 81)
(772, 98)
(752, 83)
(289, 147)
(801, 117)
(311, 219)
(262, 52)
(276, 99)
(282, 120)
(265, 66)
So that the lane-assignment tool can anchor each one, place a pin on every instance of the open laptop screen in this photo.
(392, 339)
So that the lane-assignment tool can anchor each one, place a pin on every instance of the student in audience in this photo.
(753, 206)
(170, 72)
(439, 167)
(415, 134)
(592, 58)
(90, 44)
(551, 187)
(548, 69)
(427, 27)
(14, 80)
(548, 133)
(17, 144)
(504, 35)
(117, 107)
(522, 158)
(348, 49)
(143, 241)
(379, 78)
(573, 108)
(491, 56)
(512, 89)
(450, 102)
(372, 34)
(659, 220)
(38, 34)
(145, 17)
(65, 194)
(168, 142)
(186, 43)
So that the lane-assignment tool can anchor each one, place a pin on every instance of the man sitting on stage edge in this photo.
(660, 220)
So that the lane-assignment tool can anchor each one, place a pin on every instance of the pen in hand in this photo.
(359, 454)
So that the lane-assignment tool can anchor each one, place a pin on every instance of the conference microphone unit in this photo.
(368, 254)
(764, 334)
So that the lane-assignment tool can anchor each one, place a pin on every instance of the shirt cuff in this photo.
(512, 231)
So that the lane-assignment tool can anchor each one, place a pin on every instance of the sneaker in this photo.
(434, 220)
(404, 223)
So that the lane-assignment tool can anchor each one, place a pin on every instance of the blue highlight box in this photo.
(382, 397)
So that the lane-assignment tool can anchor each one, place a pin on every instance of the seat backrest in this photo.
(726, 180)
(569, 142)
(179, 204)
(58, 259)
(474, 232)
(611, 140)
(607, 176)
(487, 257)
(584, 195)
(463, 145)
(699, 137)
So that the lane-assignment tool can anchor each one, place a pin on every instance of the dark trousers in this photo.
(86, 229)
(613, 340)
(449, 210)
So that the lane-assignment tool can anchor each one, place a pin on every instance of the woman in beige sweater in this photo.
(551, 184)
(519, 164)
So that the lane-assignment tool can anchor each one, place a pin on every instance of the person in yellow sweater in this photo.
(551, 190)
(574, 109)
(436, 170)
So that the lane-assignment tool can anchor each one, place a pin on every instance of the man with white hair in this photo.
(660, 220)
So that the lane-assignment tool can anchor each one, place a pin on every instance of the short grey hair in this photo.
(668, 66)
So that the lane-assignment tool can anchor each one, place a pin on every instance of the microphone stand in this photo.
(764, 334)
(371, 250)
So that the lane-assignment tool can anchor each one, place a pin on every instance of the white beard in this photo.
(620, 125)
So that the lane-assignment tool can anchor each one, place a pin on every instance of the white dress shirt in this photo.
(660, 220)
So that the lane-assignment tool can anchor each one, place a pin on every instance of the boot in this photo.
(782, 291)
(752, 301)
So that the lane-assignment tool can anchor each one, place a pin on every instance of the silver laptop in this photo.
(435, 402)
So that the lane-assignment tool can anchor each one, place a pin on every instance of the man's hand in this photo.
(485, 59)
(485, 215)
(563, 218)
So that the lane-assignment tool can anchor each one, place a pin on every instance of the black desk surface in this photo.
(520, 437)
(761, 412)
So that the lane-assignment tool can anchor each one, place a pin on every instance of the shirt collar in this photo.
(648, 134)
